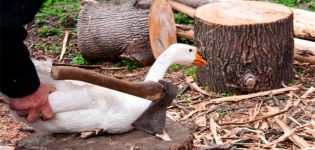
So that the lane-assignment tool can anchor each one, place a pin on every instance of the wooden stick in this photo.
(248, 96)
(292, 136)
(148, 90)
(64, 44)
(213, 128)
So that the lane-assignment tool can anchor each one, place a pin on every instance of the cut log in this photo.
(248, 45)
(304, 21)
(304, 50)
(180, 134)
(304, 24)
(107, 31)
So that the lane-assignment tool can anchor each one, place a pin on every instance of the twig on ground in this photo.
(305, 95)
(262, 118)
(180, 107)
(213, 129)
(195, 87)
(248, 96)
(64, 45)
(257, 110)
(291, 135)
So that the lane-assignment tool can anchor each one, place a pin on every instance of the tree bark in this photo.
(107, 31)
(304, 50)
(248, 51)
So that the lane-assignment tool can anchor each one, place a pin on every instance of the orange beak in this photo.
(199, 61)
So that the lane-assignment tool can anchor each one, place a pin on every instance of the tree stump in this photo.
(107, 31)
(181, 136)
(248, 45)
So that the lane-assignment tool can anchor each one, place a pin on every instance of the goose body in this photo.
(80, 106)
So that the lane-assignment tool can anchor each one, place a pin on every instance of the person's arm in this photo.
(18, 77)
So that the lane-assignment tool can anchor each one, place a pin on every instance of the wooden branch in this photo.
(292, 136)
(213, 128)
(248, 96)
(64, 44)
(148, 90)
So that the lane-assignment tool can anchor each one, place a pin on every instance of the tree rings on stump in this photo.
(248, 45)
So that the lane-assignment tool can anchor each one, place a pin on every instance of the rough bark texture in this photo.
(181, 140)
(245, 57)
(107, 30)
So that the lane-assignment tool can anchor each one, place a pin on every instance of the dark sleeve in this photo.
(18, 77)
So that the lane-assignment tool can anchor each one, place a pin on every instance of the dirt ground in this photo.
(283, 121)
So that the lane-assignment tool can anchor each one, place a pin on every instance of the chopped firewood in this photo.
(64, 44)
(292, 136)
(213, 128)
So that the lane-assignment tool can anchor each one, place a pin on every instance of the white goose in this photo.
(80, 106)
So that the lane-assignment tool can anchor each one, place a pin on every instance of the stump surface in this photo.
(248, 45)
(180, 135)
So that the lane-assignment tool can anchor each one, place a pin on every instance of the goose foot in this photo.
(88, 134)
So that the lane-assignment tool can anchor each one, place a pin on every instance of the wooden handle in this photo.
(148, 90)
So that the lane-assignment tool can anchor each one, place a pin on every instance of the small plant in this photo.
(176, 67)
(187, 101)
(183, 19)
(220, 113)
(295, 81)
(298, 73)
(312, 6)
(227, 94)
(192, 72)
(129, 64)
(78, 59)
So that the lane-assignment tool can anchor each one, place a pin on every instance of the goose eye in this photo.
(190, 50)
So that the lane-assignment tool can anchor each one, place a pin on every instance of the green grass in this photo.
(192, 72)
(296, 3)
(78, 60)
(227, 94)
(176, 67)
(128, 64)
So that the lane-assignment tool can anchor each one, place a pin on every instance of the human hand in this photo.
(34, 106)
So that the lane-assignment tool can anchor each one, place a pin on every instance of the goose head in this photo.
(175, 54)
(185, 55)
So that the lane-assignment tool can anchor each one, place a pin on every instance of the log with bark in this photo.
(248, 45)
(304, 21)
(107, 31)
